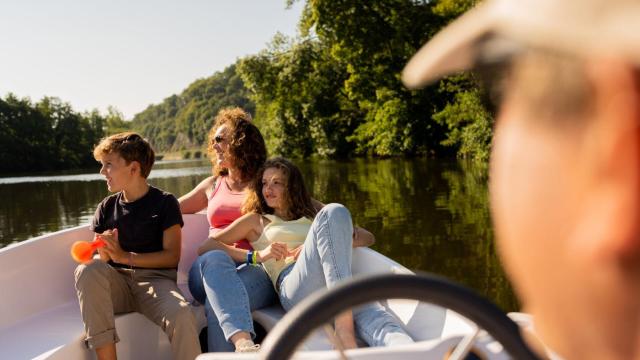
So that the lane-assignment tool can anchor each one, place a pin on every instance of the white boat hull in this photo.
(41, 319)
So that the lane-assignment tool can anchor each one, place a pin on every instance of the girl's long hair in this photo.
(297, 200)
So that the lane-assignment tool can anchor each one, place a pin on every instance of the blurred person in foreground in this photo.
(565, 163)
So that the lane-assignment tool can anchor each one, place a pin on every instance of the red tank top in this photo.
(224, 207)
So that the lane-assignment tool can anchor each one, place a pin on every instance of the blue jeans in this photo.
(229, 294)
(326, 261)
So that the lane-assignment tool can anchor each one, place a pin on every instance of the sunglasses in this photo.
(218, 139)
(492, 68)
(491, 80)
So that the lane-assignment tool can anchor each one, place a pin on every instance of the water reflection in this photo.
(162, 170)
(428, 215)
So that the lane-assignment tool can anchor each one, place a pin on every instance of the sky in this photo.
(128, 53)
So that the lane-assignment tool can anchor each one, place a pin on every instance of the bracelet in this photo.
(254, 260)
(249, 257)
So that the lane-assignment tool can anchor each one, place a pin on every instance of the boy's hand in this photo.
(112, 246)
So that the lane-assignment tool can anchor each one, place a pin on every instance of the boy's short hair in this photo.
(131, 147)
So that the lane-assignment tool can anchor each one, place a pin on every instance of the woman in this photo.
(237, 150)
(300, 256)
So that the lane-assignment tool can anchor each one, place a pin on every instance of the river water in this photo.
(429, 215)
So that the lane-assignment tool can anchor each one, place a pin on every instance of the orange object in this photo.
(82, 251)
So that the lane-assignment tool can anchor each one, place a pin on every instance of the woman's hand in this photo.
(276, 251)
(112, 246)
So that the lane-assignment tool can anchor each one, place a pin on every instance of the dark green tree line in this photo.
(50, 135)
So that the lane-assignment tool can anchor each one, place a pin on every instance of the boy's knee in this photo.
(89, 271)
(181, 317)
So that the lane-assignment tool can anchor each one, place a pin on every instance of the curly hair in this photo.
(247, 148)
(131, 147)
(297, 200)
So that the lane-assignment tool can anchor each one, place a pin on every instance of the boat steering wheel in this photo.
(314, 311)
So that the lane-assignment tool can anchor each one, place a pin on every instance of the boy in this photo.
(141, 227)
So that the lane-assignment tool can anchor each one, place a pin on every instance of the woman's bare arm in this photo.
(244, 227)
(196, 199)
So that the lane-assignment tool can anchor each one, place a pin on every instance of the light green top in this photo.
(293, 233)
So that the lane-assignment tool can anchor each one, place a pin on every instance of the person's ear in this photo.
(612, 143)
(135, 167)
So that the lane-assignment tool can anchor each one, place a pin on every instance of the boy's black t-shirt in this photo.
(140, 223)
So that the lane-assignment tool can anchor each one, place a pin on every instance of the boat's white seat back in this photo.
(37, 274)
(40, 317)
(194, 232)
(422, 320)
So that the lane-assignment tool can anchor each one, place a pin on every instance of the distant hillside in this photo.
(183, 121)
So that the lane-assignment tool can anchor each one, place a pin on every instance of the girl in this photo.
(298, 254)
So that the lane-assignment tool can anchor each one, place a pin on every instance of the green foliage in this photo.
(468, 122)
(385, 131)
(115, 122)
(335, 90)
(48, 135)
(296, 88)
(183, 121)
(453, 8)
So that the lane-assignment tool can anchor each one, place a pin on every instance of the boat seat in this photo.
(58, 333)
(48, 334)
(269, 316)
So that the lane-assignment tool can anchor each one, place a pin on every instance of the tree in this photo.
(183, 121)
(335, 90)
(296, 86)
(47, 135)
(115, 122)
